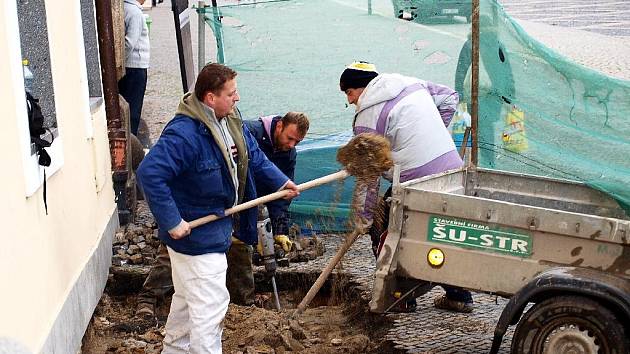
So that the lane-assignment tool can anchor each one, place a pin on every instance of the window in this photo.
(34, 47)
(91, 48)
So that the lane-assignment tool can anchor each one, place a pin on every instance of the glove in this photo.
(284, 241)
(259, 248)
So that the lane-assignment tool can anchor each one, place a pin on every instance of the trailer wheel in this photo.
(569, 324)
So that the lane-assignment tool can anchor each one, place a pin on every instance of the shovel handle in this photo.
(323, 276)
(270, 197)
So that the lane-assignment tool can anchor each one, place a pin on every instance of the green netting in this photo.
(539, 112)
(542, 114)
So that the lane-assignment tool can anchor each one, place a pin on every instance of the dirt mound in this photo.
(325, 329)
(320, 330)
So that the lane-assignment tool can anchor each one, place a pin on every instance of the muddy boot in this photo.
(445, 303)
(144, 134)
(137, 151)
(240, 274)
(157, 285)
(145, 311)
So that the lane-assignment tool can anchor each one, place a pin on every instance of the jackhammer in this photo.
(267, 249)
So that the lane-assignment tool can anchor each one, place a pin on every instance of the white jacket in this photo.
(137, 45)
(413, 115)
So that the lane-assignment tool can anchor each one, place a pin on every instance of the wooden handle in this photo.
(270, 197)
(462, 148)
(326, 272)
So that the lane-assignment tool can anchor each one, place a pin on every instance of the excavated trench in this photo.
(337, 320)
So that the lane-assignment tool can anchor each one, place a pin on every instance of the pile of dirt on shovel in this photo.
(366, 156)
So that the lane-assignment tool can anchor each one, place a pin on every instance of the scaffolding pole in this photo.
(475, 84)
(201, 31)
(218, 32)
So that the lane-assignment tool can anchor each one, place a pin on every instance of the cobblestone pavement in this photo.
(610, 17)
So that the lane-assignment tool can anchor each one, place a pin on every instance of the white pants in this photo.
(199, 304)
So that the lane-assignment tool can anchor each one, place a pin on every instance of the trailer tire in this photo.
(569, 322)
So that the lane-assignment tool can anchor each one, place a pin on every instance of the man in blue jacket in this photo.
(204, 162)
(277, 137)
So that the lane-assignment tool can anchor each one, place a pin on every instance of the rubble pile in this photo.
(137, 244)
(318, 330)
(306, 248)
(247, 330)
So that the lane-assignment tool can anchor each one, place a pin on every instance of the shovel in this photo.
(270, 197)
(326, 272)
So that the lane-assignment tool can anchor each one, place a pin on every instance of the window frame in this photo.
(33, 172)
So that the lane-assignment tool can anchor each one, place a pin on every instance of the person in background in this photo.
(413, 115)
(204, 162)
(133, 85)
(277, 137)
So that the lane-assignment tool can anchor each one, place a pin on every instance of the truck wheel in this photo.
(569, 324)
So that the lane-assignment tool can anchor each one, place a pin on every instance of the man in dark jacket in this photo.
(204, 162)
(287, 131)
(277, 137)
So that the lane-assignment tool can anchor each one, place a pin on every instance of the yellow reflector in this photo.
(435, 257)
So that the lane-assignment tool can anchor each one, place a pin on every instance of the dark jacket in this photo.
(285, 161)
(186, 176)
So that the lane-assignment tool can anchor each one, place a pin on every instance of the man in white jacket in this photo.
(413, 115)
(133, 85)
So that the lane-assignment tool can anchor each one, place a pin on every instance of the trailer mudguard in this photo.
(610, 290)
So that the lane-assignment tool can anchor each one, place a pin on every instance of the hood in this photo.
(383, 88)
(190, 106)
(134, 3)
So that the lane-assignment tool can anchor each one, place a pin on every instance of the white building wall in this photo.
(52, 267)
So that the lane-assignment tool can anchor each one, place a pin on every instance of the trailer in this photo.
(558, 249)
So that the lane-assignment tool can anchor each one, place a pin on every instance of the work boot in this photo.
(145, 311)
(445, 303)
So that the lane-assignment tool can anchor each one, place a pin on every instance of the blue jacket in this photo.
(185, 176)
(285, 161)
